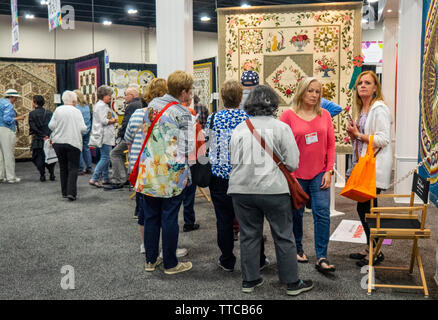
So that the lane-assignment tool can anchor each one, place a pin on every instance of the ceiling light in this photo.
(106, 22)
(44, 2)
(132, 11)
(371, 1)
(205, 18)
(245, 5)
(389, 10)
(364, 21)
(29, 16)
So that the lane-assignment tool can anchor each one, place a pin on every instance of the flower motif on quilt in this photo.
(284, 80)
(329, 90)
(251, 65)
(275, 41)
(326, 65)
(251, 41)
(326, 39)
(300, 40)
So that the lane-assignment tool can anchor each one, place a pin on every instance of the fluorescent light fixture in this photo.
(132, 11)
(371, 1)
(205, 18)
(364, 21)
(29, 16)
(107, 22)
(44, 2)
(245, 5)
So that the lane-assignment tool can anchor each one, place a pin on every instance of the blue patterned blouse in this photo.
(225, 121)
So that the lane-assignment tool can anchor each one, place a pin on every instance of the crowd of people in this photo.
(164, 136)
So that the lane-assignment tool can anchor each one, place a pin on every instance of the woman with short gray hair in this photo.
(67, 125)
(259, 189)
(103, 135)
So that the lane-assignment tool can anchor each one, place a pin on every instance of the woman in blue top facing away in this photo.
(219, 133)
(85, 164)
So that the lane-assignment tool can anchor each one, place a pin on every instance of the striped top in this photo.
(133, 135)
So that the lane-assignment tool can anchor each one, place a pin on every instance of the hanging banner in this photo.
(14, 15)
(54, 9)
(428, 144)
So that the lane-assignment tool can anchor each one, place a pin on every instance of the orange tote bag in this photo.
(361, 186)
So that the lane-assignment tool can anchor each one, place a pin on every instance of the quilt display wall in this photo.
(88, 79)
(28, 79)
(123, 76)
(204, 74)
(286, 43)
(428, 143)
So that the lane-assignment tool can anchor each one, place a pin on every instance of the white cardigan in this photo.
(378, 123)
(101, 112)
(67, 125)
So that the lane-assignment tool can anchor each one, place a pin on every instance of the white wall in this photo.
(375, 34)
(123, 43)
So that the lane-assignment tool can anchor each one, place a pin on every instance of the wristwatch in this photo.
(332, 172)
(359, 137)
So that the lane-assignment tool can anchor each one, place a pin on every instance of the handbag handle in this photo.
(262, 142)
(150, 129)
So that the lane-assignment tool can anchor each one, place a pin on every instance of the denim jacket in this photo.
(7, 114)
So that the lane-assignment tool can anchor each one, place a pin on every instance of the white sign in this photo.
(57, 98)
(349, 231)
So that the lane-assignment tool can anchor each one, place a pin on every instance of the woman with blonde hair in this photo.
(157, 88)
(373, 118)
(313, 130)
(85, 159)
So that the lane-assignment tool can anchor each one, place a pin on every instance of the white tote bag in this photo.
(49, 152)
(96, 136)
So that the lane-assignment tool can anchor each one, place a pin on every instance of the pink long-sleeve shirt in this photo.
(316, 142)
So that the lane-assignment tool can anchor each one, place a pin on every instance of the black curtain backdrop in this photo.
(65, 69)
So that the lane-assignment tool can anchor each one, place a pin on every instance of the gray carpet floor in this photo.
(40, 232)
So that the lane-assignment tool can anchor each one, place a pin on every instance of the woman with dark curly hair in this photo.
(259, 189)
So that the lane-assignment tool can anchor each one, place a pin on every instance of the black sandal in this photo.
(358, 256)
(301, 254)
(321, 268)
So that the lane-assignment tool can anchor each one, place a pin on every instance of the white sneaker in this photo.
(15, 180)
(142, 250)
(180, 252)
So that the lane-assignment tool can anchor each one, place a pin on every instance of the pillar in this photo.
(174, 20)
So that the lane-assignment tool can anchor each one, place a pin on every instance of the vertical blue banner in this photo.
(14, 16)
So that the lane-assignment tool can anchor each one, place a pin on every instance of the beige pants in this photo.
(7, 159)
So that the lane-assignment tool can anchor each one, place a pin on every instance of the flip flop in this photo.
(95, 184)
(322, 269)
(301, 255)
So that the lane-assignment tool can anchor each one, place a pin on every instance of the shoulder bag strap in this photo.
(262, 142)
(151, 127)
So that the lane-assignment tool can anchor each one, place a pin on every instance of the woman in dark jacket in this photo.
(38, 128)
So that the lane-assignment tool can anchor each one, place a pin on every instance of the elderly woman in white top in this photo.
(374, 118)
(67, 125)
(259, 189)
(103, 127)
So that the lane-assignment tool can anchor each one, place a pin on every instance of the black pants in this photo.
(68, 158)
(39, 160)
(223, 207)
(362, 209)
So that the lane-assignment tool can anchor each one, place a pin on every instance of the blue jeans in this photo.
(85, 154)
(189, 202)
(320, 200)
(161, 213)
(102, 167)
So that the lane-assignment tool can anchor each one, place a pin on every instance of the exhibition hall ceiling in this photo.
(117, 10)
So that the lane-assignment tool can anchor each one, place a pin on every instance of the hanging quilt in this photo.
(428, 149)
(286, 43)
(204, 81)
(88, 79)
(28, 79)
